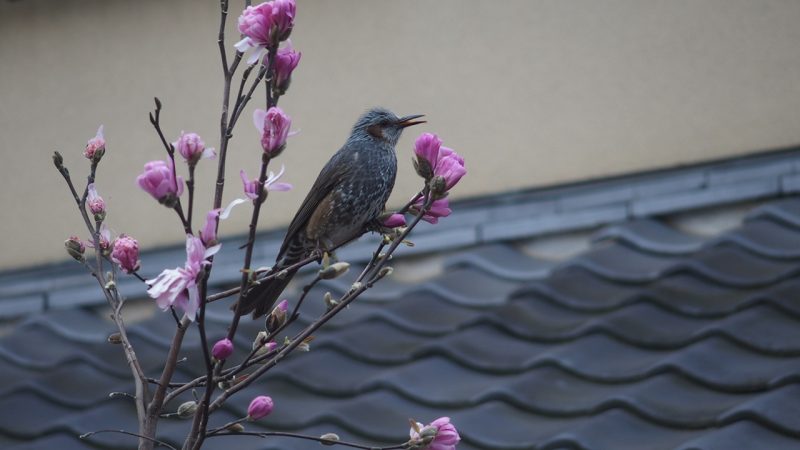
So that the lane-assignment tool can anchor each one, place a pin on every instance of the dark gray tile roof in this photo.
(651, 338)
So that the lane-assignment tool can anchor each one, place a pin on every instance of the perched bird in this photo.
(350, 192)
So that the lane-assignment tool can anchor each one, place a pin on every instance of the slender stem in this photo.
(242, 101)
(158, 401)
(155, 120)
(309, 438)
(190, 188)
(187, 228)
(152, 440)
(111, 297)
(251, 238)
(201, 416)
(227, 293)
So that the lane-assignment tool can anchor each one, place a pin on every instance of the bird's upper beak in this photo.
(407, 121)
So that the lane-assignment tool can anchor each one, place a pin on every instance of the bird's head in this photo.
(382, 124)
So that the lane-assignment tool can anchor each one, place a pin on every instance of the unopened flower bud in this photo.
(160, 181)
(329, 439)
(222, 349)
(385, 271)
(260, 337)
(58, 160)
(95, 203)
(125, 252)
(235, 427)
(393, 220)
(192, 148)
(273, 125)
(187, 409)
(330, 303)
(278, 316)
(335, 270)
(114, 338)
(260, 407)
(286, 59)
(96, 147)
(75, 248)
(439, 434)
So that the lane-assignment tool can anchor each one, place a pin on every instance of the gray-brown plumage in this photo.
(349, 193)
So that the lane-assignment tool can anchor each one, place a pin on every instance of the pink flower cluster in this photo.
(441, 434)
(273, 127)
(178, 287)
(159, 180)
(265, 25)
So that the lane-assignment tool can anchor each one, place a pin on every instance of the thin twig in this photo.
(153, 440)
(309, 438)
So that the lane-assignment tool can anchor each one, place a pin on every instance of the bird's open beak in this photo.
(407, 121)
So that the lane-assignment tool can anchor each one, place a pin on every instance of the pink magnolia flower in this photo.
(209, 232)
(96, 204)
(178, 287)
(126, 253)
(270, 184)
(159, 180)
(285, 62)
(96, 145)
(449, 166)
(435, 160)
(439, 208)
(192, 148)
(273, 127)
(265, 25)
(394, 221)
(283, 13)
(222, 349)
(260, 407)
(427, 147)
(445, 434)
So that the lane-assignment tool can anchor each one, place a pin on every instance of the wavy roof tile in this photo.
(650, 338)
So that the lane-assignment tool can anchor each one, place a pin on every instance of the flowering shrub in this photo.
(265, 30)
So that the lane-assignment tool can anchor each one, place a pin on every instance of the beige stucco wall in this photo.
(531, 92)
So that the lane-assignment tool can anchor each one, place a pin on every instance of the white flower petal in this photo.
(227, 211)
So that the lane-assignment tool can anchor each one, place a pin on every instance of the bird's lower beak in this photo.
(407, 121)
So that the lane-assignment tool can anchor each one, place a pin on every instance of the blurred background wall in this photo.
(532, 93)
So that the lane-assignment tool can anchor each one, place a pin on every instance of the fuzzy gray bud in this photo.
(114, 338)
(187, 409)
(335, 270)
(329, 439)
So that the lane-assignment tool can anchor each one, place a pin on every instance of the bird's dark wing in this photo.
(330, 176)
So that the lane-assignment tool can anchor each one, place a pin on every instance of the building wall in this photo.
(531, 92)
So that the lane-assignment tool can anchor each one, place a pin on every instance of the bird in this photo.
(349, 194)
